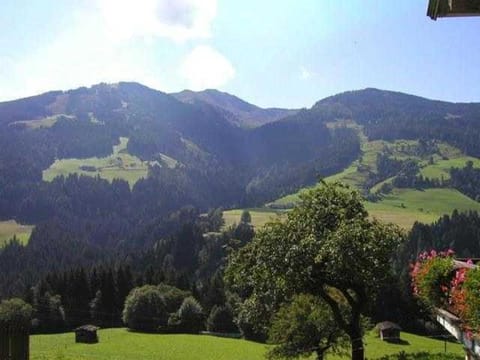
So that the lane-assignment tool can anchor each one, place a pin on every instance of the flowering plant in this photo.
(457, 302)
(431, 277)
(437, 284)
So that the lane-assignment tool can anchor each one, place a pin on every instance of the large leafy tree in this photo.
(327, 247)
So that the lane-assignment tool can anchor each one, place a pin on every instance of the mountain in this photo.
(138, 166)
(230, 162)
(236, 110)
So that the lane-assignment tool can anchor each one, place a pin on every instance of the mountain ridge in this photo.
(239, 111)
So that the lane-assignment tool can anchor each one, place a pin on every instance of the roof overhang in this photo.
(453, 8)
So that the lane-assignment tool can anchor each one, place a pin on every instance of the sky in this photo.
(273, 53)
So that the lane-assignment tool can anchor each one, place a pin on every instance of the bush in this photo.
(49, 314)
(15, 312)
(221, 320)
(173, 296)
(145, 309)
(189, 318)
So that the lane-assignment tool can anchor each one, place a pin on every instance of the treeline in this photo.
(70, 241)
(466, 180)
(188, 263)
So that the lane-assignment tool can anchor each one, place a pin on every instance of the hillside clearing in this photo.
(405, 206)
(119, 165)
(10, 228)
(441, 168)
(122, 344)
(46, 122)
(402, 206)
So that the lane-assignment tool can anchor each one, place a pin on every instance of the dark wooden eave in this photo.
(453, 8)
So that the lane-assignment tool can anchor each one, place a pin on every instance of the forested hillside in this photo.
(128, 158)
(125, 181)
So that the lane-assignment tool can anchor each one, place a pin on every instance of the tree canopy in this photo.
(327, 247)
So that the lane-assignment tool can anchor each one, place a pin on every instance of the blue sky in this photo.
(286, 53)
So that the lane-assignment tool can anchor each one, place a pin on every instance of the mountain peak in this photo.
(241, 113)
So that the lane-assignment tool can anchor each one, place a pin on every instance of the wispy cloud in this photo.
(306, 74)
(178, 20)
(116, 40)
(204, 67)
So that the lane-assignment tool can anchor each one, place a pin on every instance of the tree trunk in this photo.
(358, 352)
(320, 354)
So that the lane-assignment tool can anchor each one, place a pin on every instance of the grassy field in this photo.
(42, 123)
(441, 168)
(121, 344)
(260, 216)
(10, 228)
(119, 165)
(405, 206)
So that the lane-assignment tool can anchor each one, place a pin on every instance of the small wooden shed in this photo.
(86, 334)
(14, 341)
(388, 331)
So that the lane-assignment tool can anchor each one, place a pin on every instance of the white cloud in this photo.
(178, 20)
(306, 74)
(81, 55)
(118, 40)
(204, 67)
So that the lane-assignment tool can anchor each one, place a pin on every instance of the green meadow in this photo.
(119, 165)
(441, 168)
(122, 344)
(116, 344)
(46, 122)
(11, 228)
(403, 206)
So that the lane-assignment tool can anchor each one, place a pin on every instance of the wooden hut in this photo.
(86, 334)
(388, 331)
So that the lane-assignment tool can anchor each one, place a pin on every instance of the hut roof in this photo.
(388, 325)
(87, 328)
(449, 8)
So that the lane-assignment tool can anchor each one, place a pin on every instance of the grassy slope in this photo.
(425, 206)
(10, 228)
(43, 123)
(120, 165)
(441, 167)
(121, 344)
